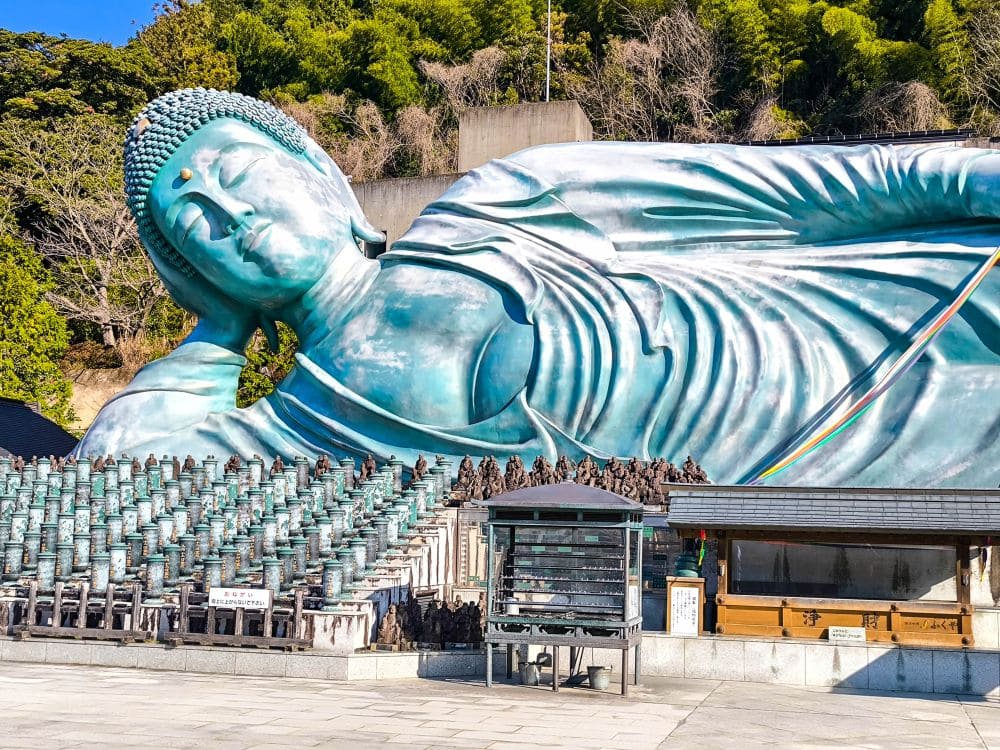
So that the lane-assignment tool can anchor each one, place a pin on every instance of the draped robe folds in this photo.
(716, 301)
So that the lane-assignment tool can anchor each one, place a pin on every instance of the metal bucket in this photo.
(529, 673)
(600, 677)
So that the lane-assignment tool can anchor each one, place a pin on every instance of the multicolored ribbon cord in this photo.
(898, 369)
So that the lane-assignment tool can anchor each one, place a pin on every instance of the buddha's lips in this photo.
(253, 236)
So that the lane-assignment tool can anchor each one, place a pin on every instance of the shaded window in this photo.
(843, 571)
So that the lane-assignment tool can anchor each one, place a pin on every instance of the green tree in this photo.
(264, 368)
(181, 47)
(33, 337)
(951, 48)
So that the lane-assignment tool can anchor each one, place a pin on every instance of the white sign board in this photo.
(846, 635)
(248, 598)
(633, 601)
(684, 604)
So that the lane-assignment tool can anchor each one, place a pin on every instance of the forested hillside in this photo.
(379, 85)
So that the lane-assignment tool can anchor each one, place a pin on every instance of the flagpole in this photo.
(548, 49)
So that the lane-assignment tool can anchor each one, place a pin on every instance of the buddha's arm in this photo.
(691, 197)
(167, 399)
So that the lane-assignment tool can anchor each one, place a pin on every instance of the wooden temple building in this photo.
(884, 565)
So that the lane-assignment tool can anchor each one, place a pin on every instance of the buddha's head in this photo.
(232, 196)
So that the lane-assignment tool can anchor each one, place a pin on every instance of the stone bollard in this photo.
(203, 544)
(272, 574)
(133, 553)
(172, 564)
(115, 528)
(98, 510)
(301, 472)
(213, 573)
(256, 533)
(345, 556)
(230, 525)
(360, 549)
(188, 545)
(312, 541)
(67, 522)
(294, 517)
(347, 508)
(150, 539)
(256, 500)
(210, 468)
(268, 487)
(39, 513)
(158, 499)
(347, 465)
(381, 525)
(100, 572)
(243, 555)
(396, 466)
(255, 472)
(338, 519)
(64, 561)
(127, 491)
(13, 560)
(46, 573)
(32, 546)
(180, 516)
(299, 553)
(130, 520)
(172, 490)
(144, 507)
(370, 537)
(207, 499)
(81, 519)
(155, 575)
(281, 516)
(50, 536)
(216, 532)
(285, 556)
(118, 562)
(98, 538)
(18, 525)
(185, 483)
(67, 500)
(228, 554)
(165, 524)
(220, 490)
(112, 502)
(270, 535)
(81, 553)
(244, 515)
(333, 583)
(194, 511)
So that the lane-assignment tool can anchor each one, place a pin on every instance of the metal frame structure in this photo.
(563, 569)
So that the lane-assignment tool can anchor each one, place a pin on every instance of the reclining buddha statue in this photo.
(809, 315)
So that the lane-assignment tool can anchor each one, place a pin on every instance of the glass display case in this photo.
(564, 565)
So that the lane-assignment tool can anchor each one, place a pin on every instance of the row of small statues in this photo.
(636, 479)
(441, 622)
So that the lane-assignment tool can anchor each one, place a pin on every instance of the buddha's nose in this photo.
(235, 212)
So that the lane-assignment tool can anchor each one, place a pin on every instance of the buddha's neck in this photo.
(332, 298)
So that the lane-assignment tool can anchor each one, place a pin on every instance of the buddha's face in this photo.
(256, 221)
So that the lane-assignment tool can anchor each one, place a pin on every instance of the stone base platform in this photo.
(785, 662)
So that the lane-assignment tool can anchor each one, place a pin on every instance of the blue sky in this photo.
(98, 20)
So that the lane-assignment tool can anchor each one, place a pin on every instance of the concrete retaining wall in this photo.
(392, 205)
(486, 133)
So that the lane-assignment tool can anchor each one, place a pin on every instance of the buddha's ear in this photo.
(365, 231)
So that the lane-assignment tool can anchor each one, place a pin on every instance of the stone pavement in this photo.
(52, 707)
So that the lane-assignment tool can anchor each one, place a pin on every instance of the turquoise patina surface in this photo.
(589, 298)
